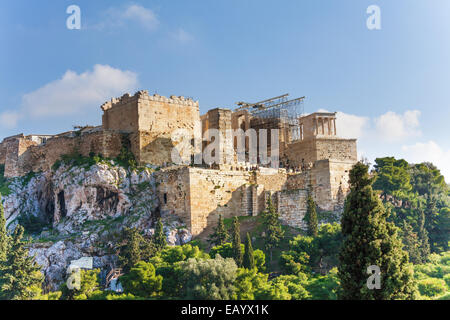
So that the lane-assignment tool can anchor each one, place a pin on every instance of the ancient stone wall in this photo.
(173, 191)
(336, 149)
(24, 155)
(121, 114)
(3, 149)
(152, 122)
(303, 152)
(329, 179)
(214, 192)
(291, 205)
(219, 119)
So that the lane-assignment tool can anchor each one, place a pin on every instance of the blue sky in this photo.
(390, 86)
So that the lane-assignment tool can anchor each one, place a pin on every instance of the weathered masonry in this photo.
(312, 156)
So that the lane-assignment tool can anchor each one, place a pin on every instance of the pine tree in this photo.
(3, 233)
(249, 258)
(159, 238)
(370, 240)
(311, 217)
(20, 277)
(424, 244)
(236, 244)
(219, 235)
(274, 232)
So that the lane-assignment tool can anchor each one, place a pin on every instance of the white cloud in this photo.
(8, 119)
(118, 17)
(76, 92)
(351, 126)
(73, 93)
(394, 127)
(182, 36)
(144, 16)
(428, 152)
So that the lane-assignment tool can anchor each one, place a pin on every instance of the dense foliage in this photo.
(369, 240)
(396, 218)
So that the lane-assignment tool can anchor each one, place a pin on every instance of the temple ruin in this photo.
(312, 157)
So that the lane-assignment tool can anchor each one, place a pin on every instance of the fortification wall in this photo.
(292, 207)
(152, 121)
(173, 189)
(300, 153)
(336, 149)
(329, 179)
(307, 151)
(219, 119)
(121, 114)
(214, 193)
(24, 155)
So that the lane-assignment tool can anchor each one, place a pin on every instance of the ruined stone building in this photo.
(311, 156)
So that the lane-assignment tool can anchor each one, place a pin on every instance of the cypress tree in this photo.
(219, 235)
(311, 216)
(424, 244)
(411, 243)
(20, 277)
(159, 238)
(236, 244)
(3, 232)
(249, 259)
(134, 248)
(370, 240)
(273, 230)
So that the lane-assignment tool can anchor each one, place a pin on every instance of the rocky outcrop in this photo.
(83, 210)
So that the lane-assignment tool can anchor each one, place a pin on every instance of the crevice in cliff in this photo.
(107, 199)
(62, 204)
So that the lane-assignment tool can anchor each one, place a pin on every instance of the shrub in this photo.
(432, 287)
(142, 280)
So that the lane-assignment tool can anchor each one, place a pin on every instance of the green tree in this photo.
(427, 179)
(308, 253)
(219, 235)
(209, 279)
(325, 287)
(159, 238)
(226, 251)
(20, 276)
(250, 284)
(88, 286)
(392, 176)
(311, 216)
(4, 238)
(411, 243)
(142, 280)
(134, 248)
(295, 285)
(273, 231)
(370, 240)
(249, 259)
(236, 244)
(423, 241)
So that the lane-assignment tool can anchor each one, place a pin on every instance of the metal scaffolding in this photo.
(287, 111)
(277, 107)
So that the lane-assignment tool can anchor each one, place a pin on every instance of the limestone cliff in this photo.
(80, 211)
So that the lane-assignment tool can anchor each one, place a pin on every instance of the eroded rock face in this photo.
(83, 211)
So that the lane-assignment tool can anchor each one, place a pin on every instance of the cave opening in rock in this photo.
(107, 200)
(62, 204)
